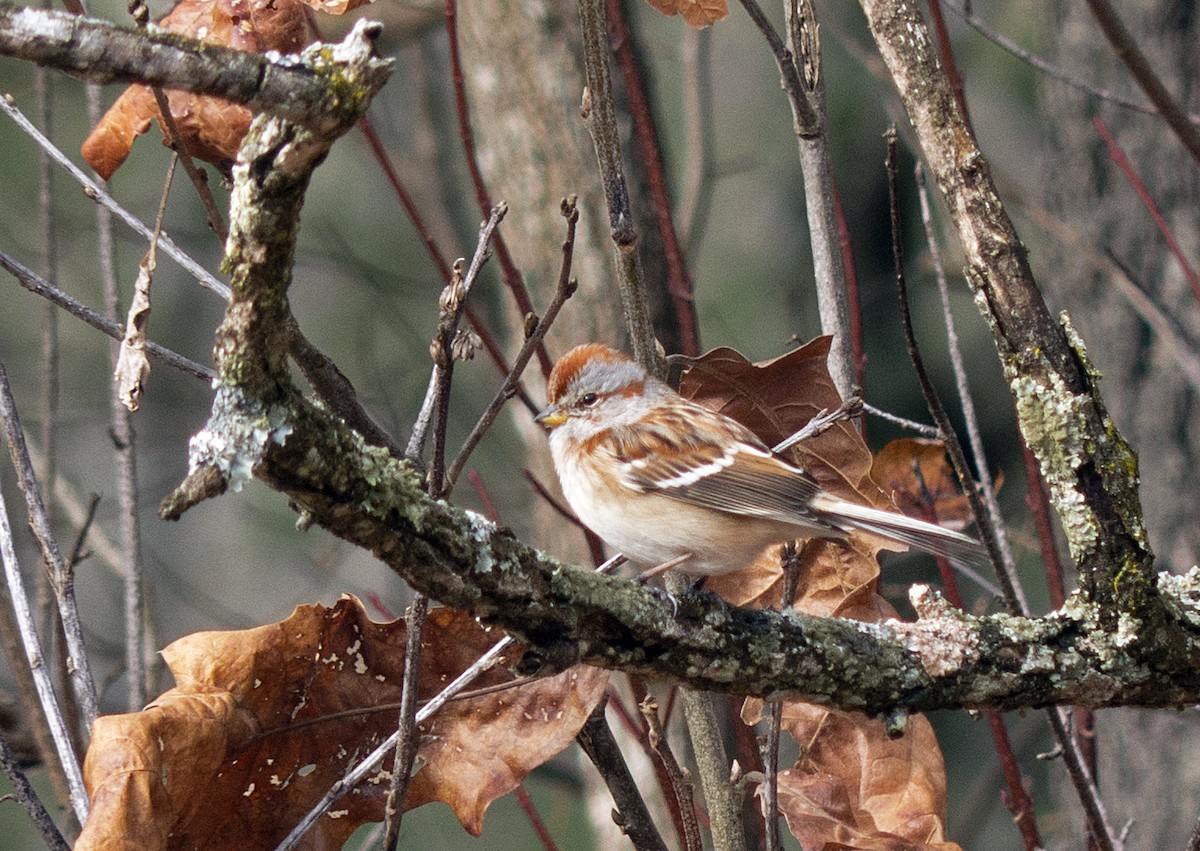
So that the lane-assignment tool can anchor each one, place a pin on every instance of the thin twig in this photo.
(600, 115)
(1125, 46)
(1168, 331)
(508, 269)
(789, 558)
(61, 577)
(595, 545)
(974, 435)
(28, 798)
(799, 66)
(911, 425)
(539, 827)
(452, 304)
(41, 677)
(435, 255)
(46, 228)
(858, 347)
(807, 120)
(1017, 800)
(1049, 68)
(77, 551)
(1014, 595)
(451, 307)
(823, 421)
(141, 17)
(639, 731)
(1118, 157)
(681, 786)
(37, 285)
(125, 460)
(406, 201)
(406, 730)
(563, 290)
(712, 761)
(96, 193)
(1085, 785)
(631, 814)
(679, 280)
(368, 764)
(332, 386)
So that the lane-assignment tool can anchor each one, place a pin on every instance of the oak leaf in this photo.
(263, 721)
(211, 129)
(853, 786)
(697, 13)
(775, 399)
(917, 474)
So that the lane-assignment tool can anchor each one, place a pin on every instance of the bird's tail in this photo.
(928, 537)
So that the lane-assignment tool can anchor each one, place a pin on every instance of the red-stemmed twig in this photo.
(435, 253)
(679, 281)
(1122, 162)
(539, 826)
(489, 507)
(508, 269)
(1127, 51)
(406, 201)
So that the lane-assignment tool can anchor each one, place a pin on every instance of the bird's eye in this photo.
(588, 399)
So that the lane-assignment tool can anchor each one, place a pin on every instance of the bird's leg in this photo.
(660, 569)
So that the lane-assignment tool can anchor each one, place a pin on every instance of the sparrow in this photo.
(670, 483)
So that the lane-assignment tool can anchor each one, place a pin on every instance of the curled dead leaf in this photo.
(853, 787)
(775, 399)
(697, 13)
(262, 721)
(917, 474)
(210, 129)
(133, 367)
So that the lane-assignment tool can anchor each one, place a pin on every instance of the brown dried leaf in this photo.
(211, 129)
(264, 720)
(698, 13)
(920, 479)
(775, 399)
(853, 787)
(133, 367)
(335, 7)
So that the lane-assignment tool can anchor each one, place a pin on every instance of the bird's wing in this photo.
(716, 463)
(707, 468)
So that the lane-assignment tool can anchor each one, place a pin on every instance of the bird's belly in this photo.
(651, 529)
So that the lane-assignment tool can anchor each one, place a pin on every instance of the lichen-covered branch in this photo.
(1091, 470)
(261, 425)
(101, 52)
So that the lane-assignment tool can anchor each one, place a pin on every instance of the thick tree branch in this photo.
(261, 425)
(1091, 470)
(101, 52)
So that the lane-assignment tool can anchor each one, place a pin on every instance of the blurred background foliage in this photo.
(365, 292)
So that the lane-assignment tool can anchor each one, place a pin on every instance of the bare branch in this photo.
(101, 52)
(32, 282)
(631, 813)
